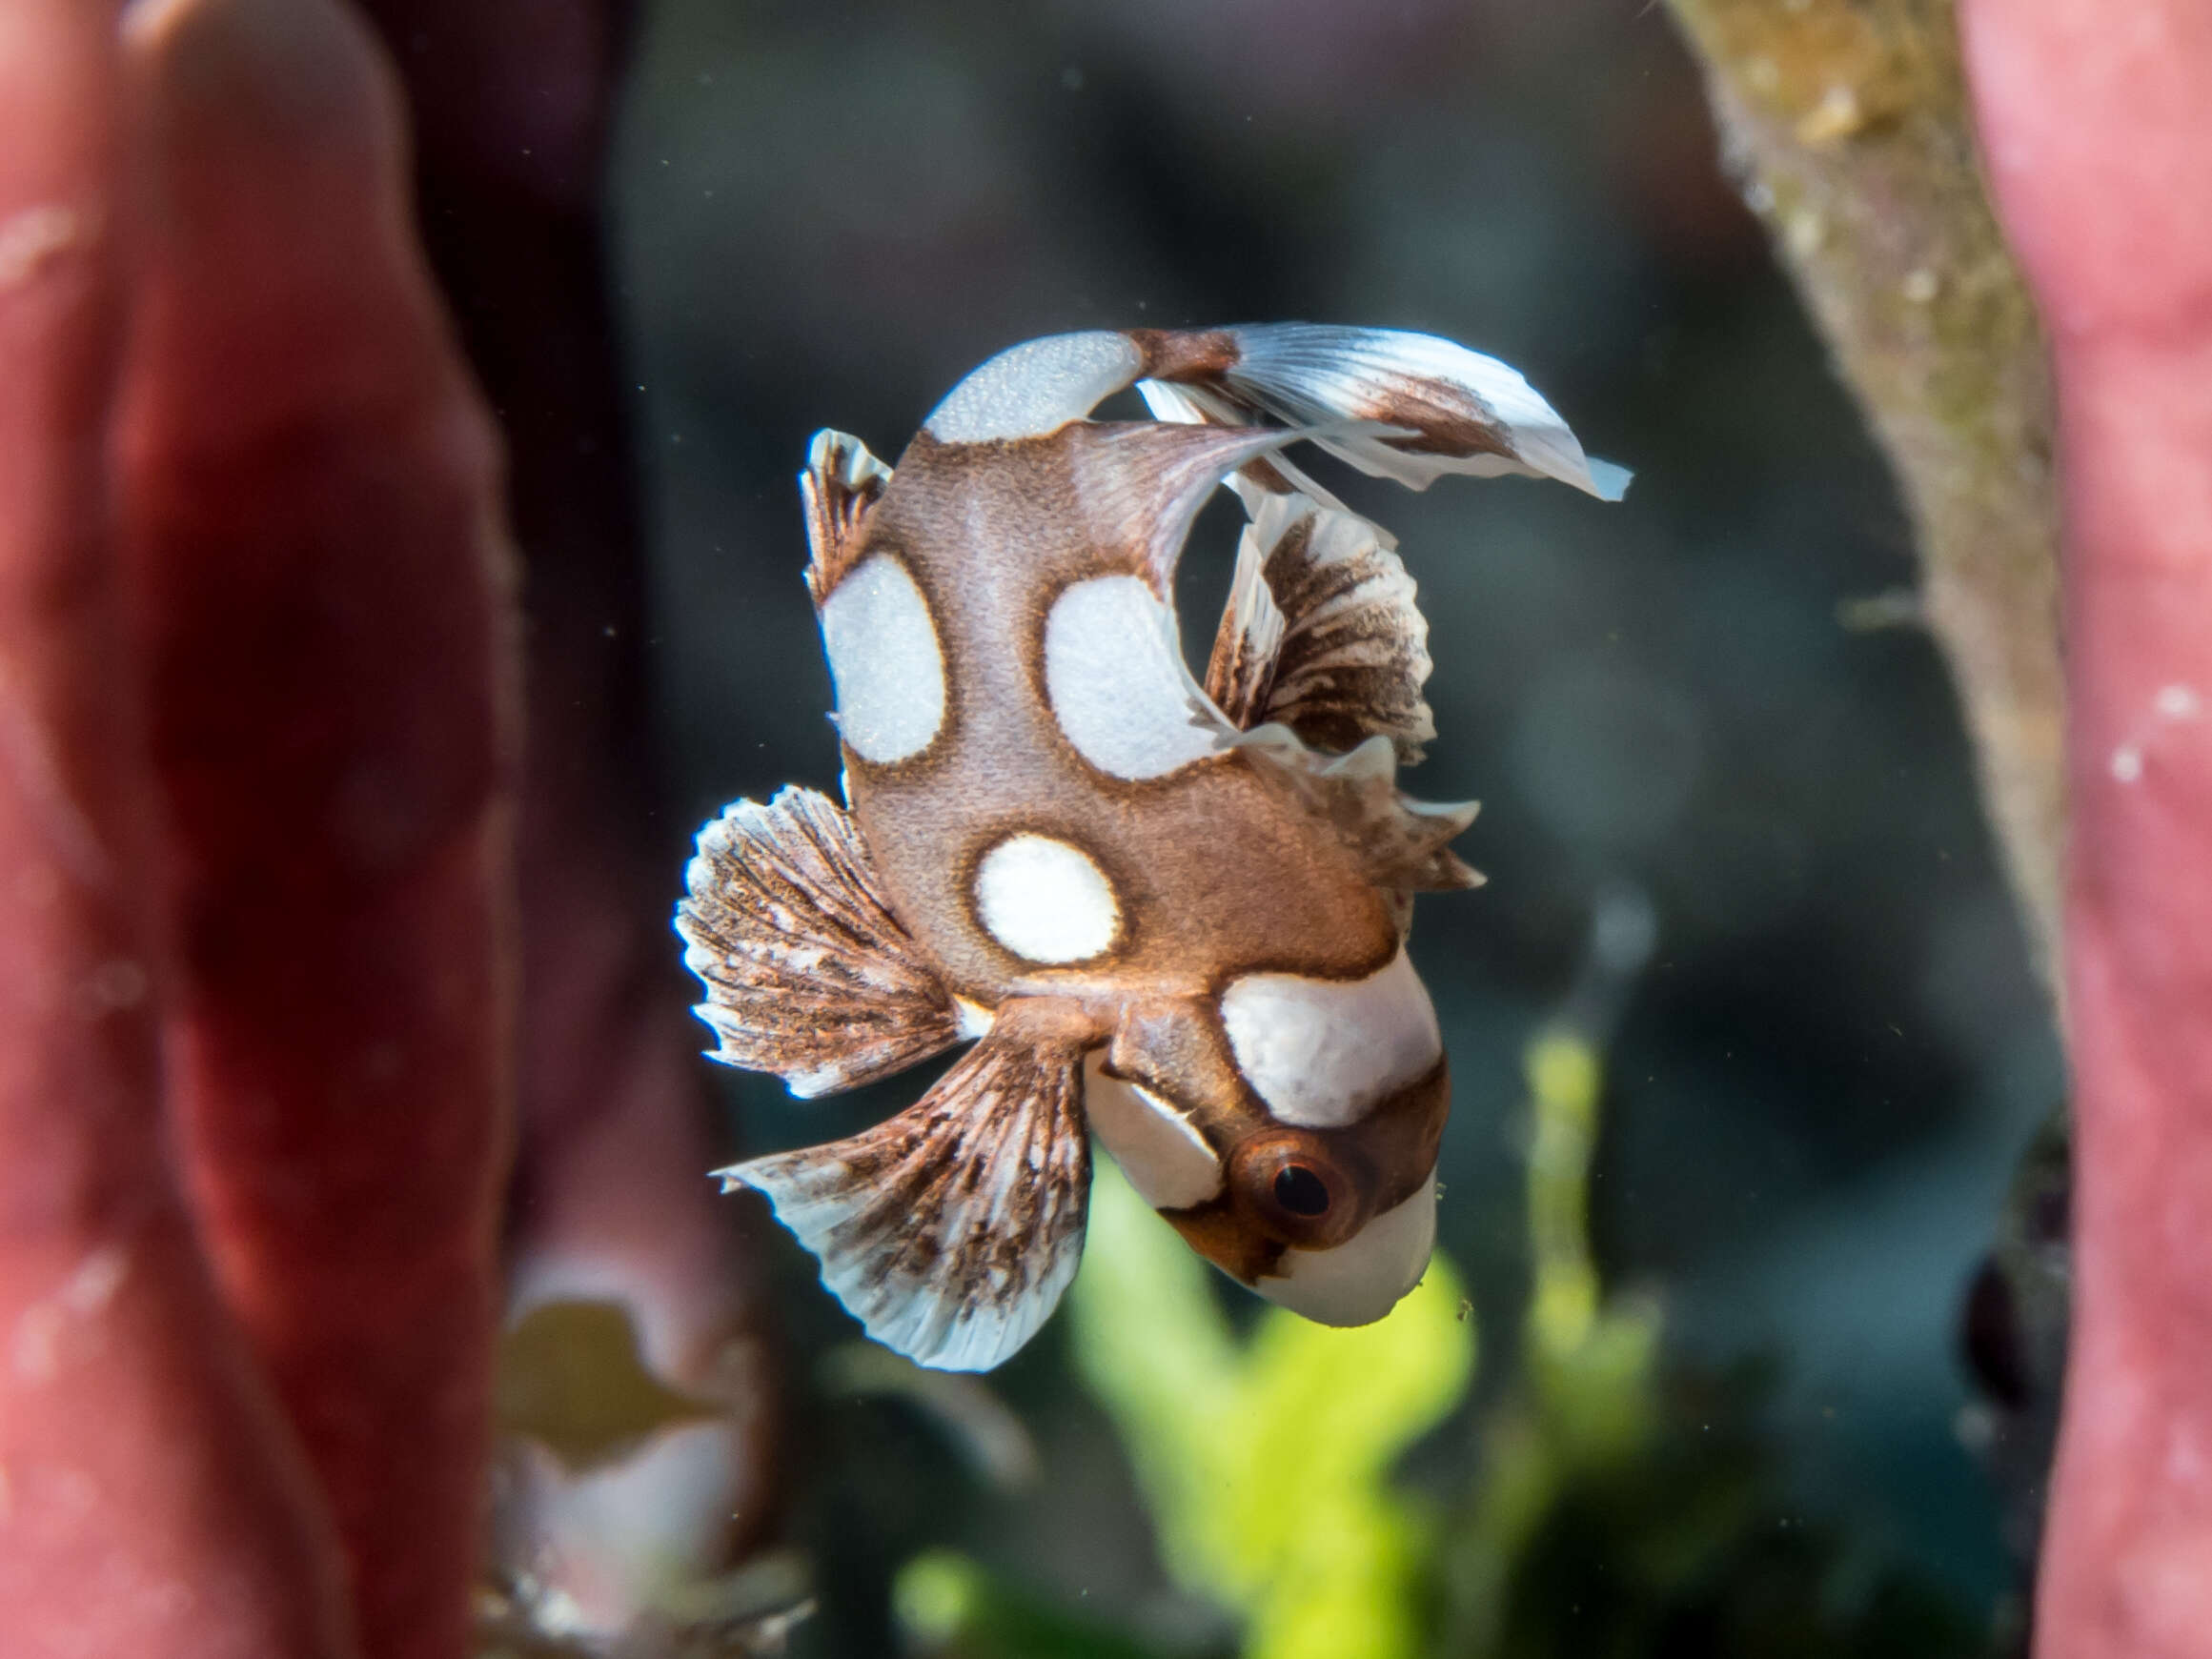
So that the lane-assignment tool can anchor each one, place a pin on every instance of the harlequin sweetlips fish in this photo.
(1168, 913)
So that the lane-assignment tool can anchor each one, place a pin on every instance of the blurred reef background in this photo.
(1745, 1033)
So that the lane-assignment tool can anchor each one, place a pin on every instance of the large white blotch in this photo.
(885, 660)
(1036, 388)
(1165, 1159)
(1118, 684)
(1321, 1053)
(1046, 901)
(1365, 1276)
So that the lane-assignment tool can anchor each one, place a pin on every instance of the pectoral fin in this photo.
(951, 1231)
(808, 974)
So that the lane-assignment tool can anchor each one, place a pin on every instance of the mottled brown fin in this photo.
(951, 1231)
(1246, 646)
(1321, 631)
(1351, 651)
(1401, 843)
(841, 481)
(807, 973)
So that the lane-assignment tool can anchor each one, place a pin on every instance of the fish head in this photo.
(1288, 1133)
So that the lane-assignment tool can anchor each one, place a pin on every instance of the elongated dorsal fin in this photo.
(951, 1231)
(839, 485)
(1321, 631)
(808, 975)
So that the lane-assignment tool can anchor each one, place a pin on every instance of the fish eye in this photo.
(1292, 1185)
(1301, 1191)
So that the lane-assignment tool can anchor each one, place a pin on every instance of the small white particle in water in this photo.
(2128, 763)
(2180, 702)
(1920, 286)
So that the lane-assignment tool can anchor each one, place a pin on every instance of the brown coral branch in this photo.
(1848, 120)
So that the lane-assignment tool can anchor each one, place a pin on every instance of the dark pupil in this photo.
(1301, 1191)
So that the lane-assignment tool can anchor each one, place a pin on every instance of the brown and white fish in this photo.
(1170, 915)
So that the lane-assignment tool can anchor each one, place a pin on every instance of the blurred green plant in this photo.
(1266, 1461)
(1619, 1509)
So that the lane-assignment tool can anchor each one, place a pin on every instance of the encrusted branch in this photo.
(1848, 122)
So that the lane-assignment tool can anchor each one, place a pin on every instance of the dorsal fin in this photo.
(951, 1232)
(841, 482)
(808, 974)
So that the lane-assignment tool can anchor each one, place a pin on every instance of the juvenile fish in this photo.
(1171, 915)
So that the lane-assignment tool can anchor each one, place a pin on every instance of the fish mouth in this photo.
(1361, 1279)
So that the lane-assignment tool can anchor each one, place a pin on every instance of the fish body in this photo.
(1172, 913)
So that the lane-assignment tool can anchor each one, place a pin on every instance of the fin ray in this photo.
(1353, 652)
(807, 973)
(841, 482)
(1452, 409)
(951, 1231)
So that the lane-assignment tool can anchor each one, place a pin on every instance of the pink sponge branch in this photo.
(152, 1499)
(321, 594)
(2097, 130)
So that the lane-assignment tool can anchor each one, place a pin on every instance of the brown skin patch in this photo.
(1201, 355)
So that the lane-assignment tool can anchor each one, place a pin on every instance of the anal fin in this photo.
(1350, 653)
(951, 1231)
(807, 973)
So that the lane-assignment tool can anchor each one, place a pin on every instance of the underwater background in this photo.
(1745, 1037)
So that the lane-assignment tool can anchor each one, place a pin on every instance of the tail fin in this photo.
(1453, 410)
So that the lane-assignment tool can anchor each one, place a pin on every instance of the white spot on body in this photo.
(1046, 901)
(1164, 1158)
(1363, 1277)
(1118, 684)
(1321, 1053)
(1036, 388)
(885, 657)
